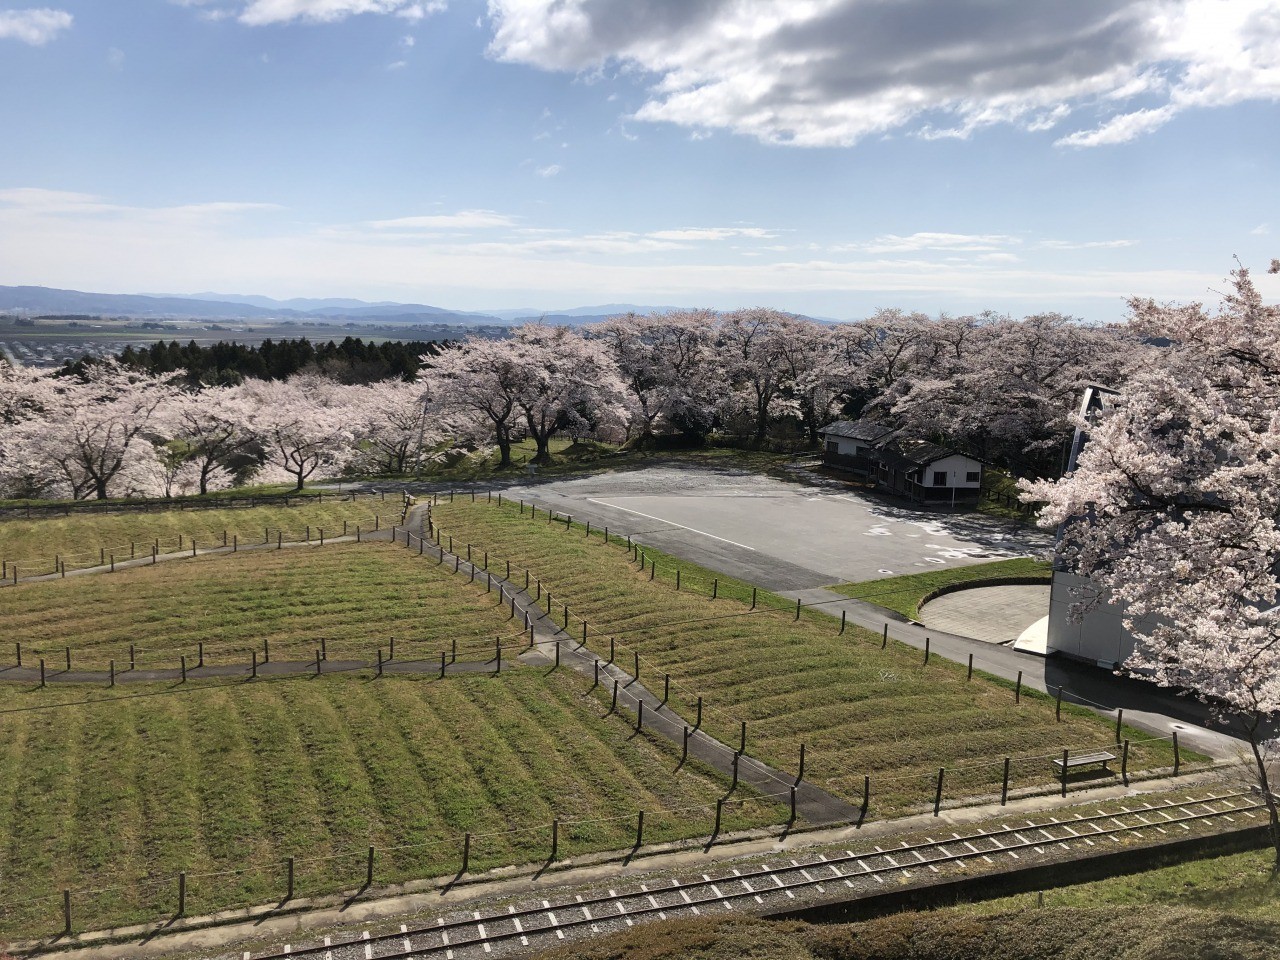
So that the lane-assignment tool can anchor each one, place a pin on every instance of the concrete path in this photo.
(992, 614)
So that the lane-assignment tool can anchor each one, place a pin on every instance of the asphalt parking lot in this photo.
(781, 535)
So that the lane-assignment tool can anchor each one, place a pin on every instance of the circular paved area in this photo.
(993, 614)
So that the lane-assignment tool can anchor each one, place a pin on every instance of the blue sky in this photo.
(823, 156)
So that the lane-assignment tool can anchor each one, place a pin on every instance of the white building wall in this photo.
(958, 467)
(1099, 637)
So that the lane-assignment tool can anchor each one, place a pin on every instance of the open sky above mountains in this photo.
(821, 156)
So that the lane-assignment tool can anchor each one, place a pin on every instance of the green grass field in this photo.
(904, 594)
(116, 791)
(354, 597)
(82, 539)
(860, 710)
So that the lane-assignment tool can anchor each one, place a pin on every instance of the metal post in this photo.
(742, 744)
(368, 875)
(42, 671)
(68, 652)
(677, 578)
(379, 661)
(797, 608)
(113, 673)
(697, 723)
(884, 637)
(441, 664)
(926, 651)
(1004, 786)
(113, 563)
(453, 650)
(613, 707)
(866, 796)
(1177, 754)
(1119, 721)
(466, 852)
(937, 799)
(200, 653)
(1057, 708)
(639, 715)
(183, 661)
(666, 689)
(253, 666)
(498, 664)
(970, 676)
(317, 661)
(793, 804)
(611, 650)
(1124, 763)
(597, 674)
(557, 654)
(753, 598)
(266, 651)
(1017, 691)
(715, 832)
(1066, 756)
(639, 829)
(843, 614)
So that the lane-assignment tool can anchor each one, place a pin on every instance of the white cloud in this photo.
(264, 12)
(462, 220)
(115, 58)
(1261, 230)
(711, 233)
(36, 26)
(892, 243)
(830, 72)
(1084, 244)
(549, 171)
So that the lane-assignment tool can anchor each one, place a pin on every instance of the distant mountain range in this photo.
(34, 301)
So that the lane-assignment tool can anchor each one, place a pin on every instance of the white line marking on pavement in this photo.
(648, 516)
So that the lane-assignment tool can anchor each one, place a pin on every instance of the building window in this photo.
(939, 478)
(833, 446)
(973, 476)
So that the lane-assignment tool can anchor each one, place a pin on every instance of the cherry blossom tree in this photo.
(208, 429)
(88, 428)
(1006, 389)
(1173, 510)
(567, 382)
(392, 424)
(751, 345)
(667, 367)
(304, 425)
(478, 379)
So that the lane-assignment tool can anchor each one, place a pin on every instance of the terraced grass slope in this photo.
(354, 597)
(859, 709)
(116, 791)
(81, 539)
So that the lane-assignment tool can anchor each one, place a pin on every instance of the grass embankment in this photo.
(226, 778)
(1071, 934)
(83, 539)
(859, 709)
(905, 594)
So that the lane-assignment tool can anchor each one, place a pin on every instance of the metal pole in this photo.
(937, 799)
(1057, 708)
(1017, 692)
(1124, 763)
(884, 637)
(1177, 754)
(843, 614)
(1119, 721)
(926, 651)
(970, 676)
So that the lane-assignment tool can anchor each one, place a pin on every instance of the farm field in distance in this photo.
(116, 791)
(858, 709)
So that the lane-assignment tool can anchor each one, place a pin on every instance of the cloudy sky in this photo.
(822, 156)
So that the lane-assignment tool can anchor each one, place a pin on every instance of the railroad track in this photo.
(486, 934)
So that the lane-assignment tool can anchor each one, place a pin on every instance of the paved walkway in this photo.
(992, 614)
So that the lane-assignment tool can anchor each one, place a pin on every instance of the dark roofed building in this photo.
(900, 462)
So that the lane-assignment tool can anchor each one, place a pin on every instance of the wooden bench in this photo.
(1084, 760)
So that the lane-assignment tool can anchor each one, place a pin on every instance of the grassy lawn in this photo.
(116, 791)
(860, 710)
(904, 594)
(81, 538)
(352, 596)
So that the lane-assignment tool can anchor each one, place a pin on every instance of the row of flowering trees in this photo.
(116, 431)
(1003, 388)
(1000, 387)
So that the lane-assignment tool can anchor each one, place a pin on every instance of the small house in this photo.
(900, 463)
